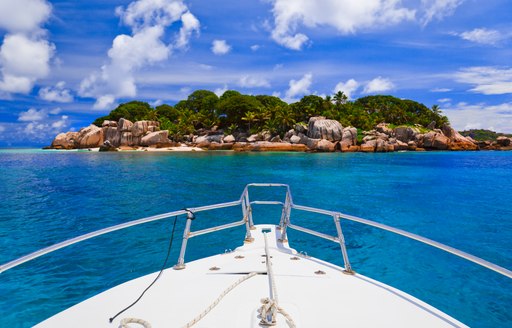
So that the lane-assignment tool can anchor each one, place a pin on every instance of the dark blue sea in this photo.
(462, 199)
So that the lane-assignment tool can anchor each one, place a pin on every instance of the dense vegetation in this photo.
(234, 111)
(482, 135)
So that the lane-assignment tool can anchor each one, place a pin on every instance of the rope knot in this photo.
(268, 312)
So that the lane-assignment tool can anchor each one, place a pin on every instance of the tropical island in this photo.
(240, 122)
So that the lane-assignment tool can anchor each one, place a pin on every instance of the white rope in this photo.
(270, 306)
(124, 323)
(209, 308)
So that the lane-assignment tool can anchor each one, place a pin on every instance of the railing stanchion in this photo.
(181, 260)
(249, 209)
(285, 218)
(341, 238)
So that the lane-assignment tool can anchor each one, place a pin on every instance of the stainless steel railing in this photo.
(247, 219)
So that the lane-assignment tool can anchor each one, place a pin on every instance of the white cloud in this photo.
(190, 25)
(40, 125)
(220, 91)
(247, 81)
(444, 100)
(483, 36)
(220, 47)
(349, 16)
(378, 84)
(346, 16)
(255, 47)
(60, 124)
(465, 116)
(438, 9)
(56, 94)
(104, 102)
(487, 80)
(23, 15)
(441, 90)
(348, 88)
(2, 128)
(148, 20)
(141, 14)
(25, 52)
(299, 87)
(32, 115)
(24, 60)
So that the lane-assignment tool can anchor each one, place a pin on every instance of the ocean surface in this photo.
(462, 199)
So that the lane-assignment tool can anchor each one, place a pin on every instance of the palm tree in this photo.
(436, 109)
(250, 117)
(284, 117)
(340, 98)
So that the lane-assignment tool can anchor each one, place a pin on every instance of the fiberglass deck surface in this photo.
(332, 299)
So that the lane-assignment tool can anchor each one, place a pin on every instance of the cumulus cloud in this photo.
(23, 16)
(25, 52)
(148, 20)
(247, 81)
(483, 36)
(348, 88)
(220, 47)
(379, 84)
(32, 115)
(465, 116)
(255, 47)
(40, 125)
(190, 25)
(487, 80)
(220, 91)
(348, 16)
(56, 94)
(299, 87)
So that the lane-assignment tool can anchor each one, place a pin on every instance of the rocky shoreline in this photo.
(321, 135)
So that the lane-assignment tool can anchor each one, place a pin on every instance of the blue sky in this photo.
(64, 63)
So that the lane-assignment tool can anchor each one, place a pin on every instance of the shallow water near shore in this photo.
(462, 199)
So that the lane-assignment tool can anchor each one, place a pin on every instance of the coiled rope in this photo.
(124, 323)
(214, 304)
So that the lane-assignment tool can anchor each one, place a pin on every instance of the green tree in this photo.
(250, 117)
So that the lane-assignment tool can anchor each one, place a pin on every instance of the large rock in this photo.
(229, 139)
(65, 141)
(503, 141)
(90, 137)
(107, 123)
(405, 133)
(384, 128)
(321, 128)
(157, 138)
(295, 139)
(254, 138)
(324, 146)
(349, 137)
(435, 140)
(458, 141)
(127, 139)
(140, 128)
(112, 135)
(124, 125)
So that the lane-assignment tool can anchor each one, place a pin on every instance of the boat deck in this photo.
(312, 298)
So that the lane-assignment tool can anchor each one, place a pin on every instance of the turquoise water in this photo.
(463, 199)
